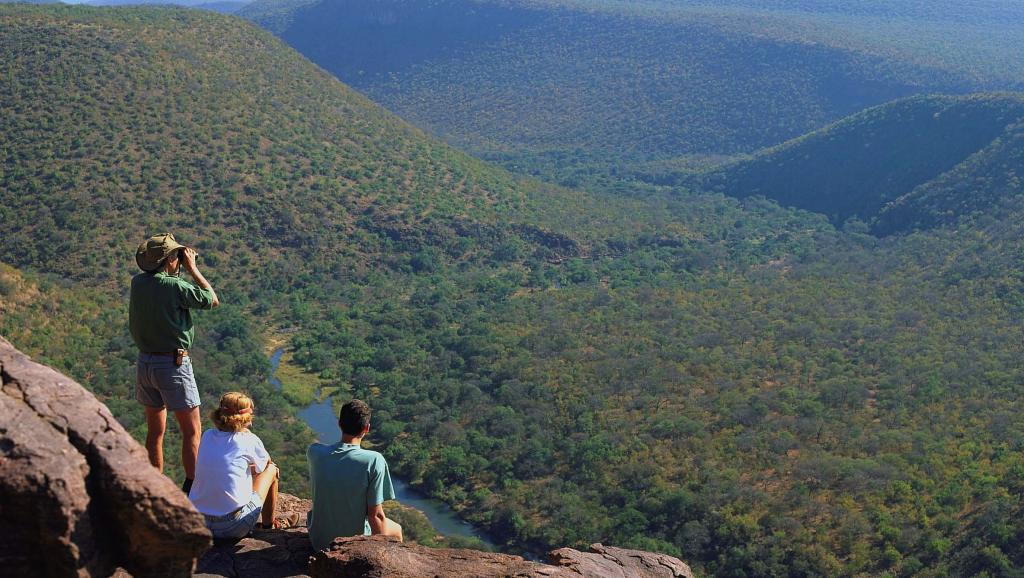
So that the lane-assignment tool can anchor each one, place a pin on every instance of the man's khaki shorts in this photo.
(159, 383)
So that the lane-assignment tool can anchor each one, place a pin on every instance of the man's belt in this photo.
(179, 355)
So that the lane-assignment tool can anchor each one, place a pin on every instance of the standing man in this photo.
(160, 320)
(349, 484)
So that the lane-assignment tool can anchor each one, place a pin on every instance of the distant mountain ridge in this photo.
(913, 163)
(568, 83)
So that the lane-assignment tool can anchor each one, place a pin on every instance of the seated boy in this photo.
(349, 484)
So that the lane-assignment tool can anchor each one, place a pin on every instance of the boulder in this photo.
(42, 484)
(611, 562)
(380, 557)
(93, 500)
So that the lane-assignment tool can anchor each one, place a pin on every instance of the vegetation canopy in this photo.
(571, 89)
(724, 379)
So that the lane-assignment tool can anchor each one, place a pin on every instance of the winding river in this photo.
(320, 417)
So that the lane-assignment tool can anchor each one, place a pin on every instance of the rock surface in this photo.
(88, 498)
(379, 557)
(287, 553)
(612, 562)
(265, 553)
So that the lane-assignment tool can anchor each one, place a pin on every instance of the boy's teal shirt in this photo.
(345, 479)
(159, 311)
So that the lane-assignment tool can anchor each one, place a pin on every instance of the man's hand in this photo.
(188, 261)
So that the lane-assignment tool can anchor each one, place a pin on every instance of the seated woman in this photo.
(236, 482)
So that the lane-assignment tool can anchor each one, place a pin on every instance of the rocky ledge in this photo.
(287, 553)
(380, 557)
(89, 504)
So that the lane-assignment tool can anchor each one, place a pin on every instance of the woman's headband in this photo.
(243, 411)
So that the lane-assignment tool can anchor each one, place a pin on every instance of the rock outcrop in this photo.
(81, 491)
(611, 562)
(287, 553)
(380, 557)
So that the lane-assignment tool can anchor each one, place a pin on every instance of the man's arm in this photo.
(378, 521)
(189, 262)
(380, 524)
(379, 490)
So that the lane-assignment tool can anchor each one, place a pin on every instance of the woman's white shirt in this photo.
(224, 470)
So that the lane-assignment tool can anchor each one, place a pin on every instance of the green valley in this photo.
(716, 376)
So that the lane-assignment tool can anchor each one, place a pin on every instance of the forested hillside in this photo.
(564, 89)
(727, 380)
(913, 163)
(110, 133)
(225, 6)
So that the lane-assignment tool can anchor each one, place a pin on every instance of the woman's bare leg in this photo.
(265, 484)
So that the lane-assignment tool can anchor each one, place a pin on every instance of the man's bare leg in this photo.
(190, 422)
(156, 425)
(265, 484)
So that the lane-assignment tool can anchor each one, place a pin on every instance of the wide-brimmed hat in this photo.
(153, 251)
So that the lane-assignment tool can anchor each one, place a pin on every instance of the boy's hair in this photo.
(234, 413)
(354, 417)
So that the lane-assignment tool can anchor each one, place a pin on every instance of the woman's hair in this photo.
(234, 413)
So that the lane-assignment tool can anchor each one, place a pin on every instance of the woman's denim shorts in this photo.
(239, 523)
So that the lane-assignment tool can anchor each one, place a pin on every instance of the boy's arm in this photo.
(378, 491)
(378, 521)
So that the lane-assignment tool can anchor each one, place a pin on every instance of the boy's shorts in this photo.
(159, 383)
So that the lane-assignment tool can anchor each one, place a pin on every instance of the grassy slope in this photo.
(982, 182)
(130, 118)
(152, 119)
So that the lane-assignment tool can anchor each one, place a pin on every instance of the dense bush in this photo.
(727, 380)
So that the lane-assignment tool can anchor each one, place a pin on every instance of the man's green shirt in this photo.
(159, 311)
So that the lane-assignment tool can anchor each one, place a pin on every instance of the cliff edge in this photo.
(287, 553)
